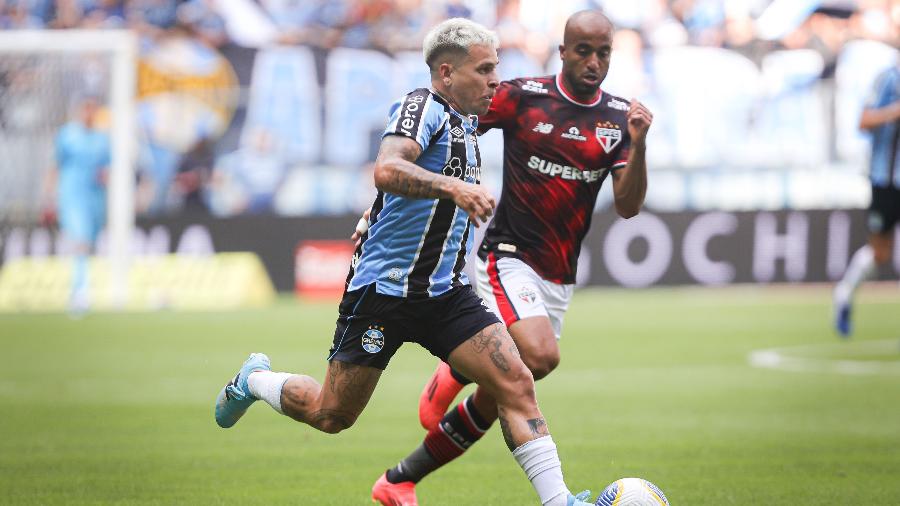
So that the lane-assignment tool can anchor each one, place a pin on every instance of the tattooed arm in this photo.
(396, 172)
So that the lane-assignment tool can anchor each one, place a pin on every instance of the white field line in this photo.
(792, 358)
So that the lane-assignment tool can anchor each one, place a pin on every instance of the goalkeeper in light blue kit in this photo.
(82, 152)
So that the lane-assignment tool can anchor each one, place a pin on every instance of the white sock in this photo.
(861, 268)
(266, 386)
(539, 460)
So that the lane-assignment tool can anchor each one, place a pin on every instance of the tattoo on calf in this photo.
(538, 427)
(507, 432)
(299, 396)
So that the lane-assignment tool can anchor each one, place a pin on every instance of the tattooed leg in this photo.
(334, 406)
(491, 359)
(504, 428)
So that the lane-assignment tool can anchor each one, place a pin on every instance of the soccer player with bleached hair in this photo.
(563, 137)
(406, 281)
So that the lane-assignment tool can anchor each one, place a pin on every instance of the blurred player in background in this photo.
(881, 118)
(77, 185)
(406, 281)
(562, 137)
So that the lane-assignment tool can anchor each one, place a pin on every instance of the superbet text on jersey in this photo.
(557, 153)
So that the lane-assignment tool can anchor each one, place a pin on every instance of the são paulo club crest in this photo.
(608, 135)
(527, 294)
(373, 339)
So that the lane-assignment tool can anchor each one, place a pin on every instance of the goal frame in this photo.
(122, 46)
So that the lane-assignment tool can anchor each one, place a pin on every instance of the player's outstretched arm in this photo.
(396, 172)
(630, 183)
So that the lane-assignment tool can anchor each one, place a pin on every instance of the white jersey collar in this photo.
(562, 91)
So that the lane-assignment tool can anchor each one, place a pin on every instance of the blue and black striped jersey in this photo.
(417, 247)
(885, 138)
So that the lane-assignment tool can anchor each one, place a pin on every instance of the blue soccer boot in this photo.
(581, 499)
(235, 398)
(842, 320)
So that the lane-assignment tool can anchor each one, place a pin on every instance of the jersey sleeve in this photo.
(881, 91)
(503, 108)
(416, 116)
(623, 150)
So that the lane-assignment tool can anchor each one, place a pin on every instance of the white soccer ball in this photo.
(632, 492)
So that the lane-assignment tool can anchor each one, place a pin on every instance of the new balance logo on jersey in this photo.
(544, 128)
(617, 104)
(564, 171)
(574, 134)
(534, 86)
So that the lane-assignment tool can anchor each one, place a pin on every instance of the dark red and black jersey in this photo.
(556, 154)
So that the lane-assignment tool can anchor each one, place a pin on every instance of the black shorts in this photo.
(372, 326)
(884, 211)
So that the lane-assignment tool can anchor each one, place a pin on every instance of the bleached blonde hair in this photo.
(455, 36)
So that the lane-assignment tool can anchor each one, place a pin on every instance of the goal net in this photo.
(41, 73)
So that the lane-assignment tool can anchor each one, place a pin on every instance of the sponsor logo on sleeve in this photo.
(534, 87)
(410, 115)
(617, 104)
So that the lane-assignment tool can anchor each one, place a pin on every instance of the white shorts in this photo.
(514, 291)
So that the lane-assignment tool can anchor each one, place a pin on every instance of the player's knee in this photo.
(333, 423)
(882, 255)
(519, 386)
(542, 363)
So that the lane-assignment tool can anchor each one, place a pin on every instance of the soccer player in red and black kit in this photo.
(563, 136)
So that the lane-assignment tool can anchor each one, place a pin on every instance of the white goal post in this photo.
(122, 48)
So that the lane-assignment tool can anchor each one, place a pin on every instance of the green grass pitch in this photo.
(117, 408)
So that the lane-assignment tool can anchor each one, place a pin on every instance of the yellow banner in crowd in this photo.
(215, 282)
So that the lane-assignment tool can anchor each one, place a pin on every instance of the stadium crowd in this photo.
(394, 25)
(210, 170)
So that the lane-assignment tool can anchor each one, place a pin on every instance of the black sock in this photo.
(460, 428)
(459, 377)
